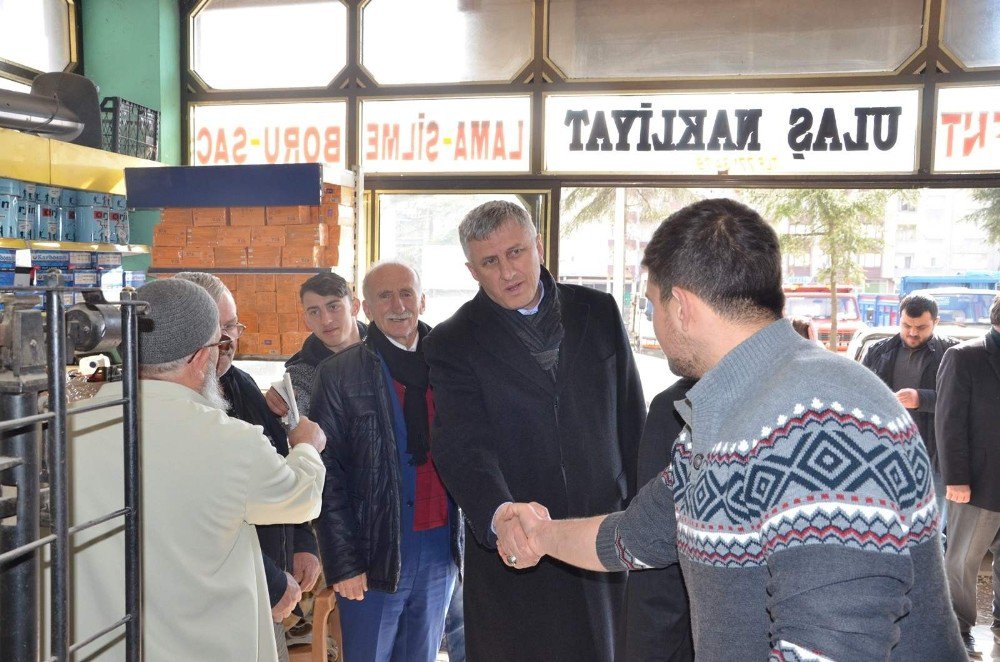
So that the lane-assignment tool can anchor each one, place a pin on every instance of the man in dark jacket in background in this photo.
(538, 399)
(389, 534)
(968, 438)
(657, 618)
(908, 364)
(290, 554)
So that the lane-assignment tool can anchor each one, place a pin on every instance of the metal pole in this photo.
(58, 474)
(19, 587)
(133, 480)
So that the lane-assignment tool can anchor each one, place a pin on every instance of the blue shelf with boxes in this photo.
(82, 233)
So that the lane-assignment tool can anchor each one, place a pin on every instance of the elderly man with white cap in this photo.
(206, 479)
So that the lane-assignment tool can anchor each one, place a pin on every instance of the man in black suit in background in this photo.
(657, 619)
(967, 422)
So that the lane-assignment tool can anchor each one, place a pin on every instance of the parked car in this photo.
(812, 302)
(962, 306)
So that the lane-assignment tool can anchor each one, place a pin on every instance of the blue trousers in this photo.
(405, 626)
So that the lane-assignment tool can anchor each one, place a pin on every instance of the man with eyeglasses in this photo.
(207, 479)
(290, 552)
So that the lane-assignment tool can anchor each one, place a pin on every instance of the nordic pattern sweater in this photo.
(799, 503)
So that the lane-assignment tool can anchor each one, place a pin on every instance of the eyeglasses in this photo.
(234, 330)
(224, 345)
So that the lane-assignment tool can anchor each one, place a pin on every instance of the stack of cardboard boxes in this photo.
(228, 240)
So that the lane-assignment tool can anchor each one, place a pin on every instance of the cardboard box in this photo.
(170, 235)
(264, 282)
(292, 341)
(287, 215)
(336, 214)
(200, 236)
(336, 194)
(307, 235)
(212, 216)
(230, 236)
(331, 256)
(245, 283)
(267, 323)
(247, 345)
(333, 234)
(247, 216)
(230, 256)
(287, 302)
(248, 318)
(264, 302)
(166, 256)
(176, 216)
(245, 300)
(206, 253)
(229, 280)
(264, 257)
(269, 344)
(268, 236)
(288, 323)
(301, 257)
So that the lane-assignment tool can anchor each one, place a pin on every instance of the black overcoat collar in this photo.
(993, 353)
(499, 342)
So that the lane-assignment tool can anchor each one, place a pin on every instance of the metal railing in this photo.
(20, 565)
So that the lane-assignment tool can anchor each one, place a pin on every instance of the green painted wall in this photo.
(131, 49)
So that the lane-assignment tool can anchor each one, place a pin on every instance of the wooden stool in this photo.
(325, 623)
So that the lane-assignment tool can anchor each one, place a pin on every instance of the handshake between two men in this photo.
(526, 533)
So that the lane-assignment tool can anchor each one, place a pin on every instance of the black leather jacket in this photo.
(359, 526)
(881, 359)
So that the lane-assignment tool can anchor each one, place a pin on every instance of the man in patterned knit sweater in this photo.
(798, 499)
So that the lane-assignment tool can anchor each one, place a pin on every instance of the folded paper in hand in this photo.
(287, 393)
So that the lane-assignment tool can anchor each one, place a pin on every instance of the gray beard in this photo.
(211, 389)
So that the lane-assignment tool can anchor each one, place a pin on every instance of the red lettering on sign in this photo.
(221, 151)
(372, 141)
(206, 136)
(310, 144)
(516, 154)
(272, 146)
(480, 139)
(292, 144)
(499, 150)
(432, 141)
(239, 145)
(974, 127)
(390, 141)
(461, 152)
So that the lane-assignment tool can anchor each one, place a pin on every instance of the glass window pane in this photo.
(422, 230)
(8, 84)
(444, 41)
(249, 44)
(40, 40)
(972, 31)
(654, 39)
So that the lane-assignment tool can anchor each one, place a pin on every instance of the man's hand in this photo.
(286, 604)
(908, 397)
(353, 588)
(308, 432)
(958, 493)
(305, 569)
(275, 402)
(512, 536)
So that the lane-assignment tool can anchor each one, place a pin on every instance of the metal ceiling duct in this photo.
(33, 113)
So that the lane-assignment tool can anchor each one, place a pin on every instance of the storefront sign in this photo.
(235, 134)
(465, 135)
(967, 130)
(738, 134)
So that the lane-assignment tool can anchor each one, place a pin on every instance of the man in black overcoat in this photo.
(657, 617)
(967, 422)
(538, 399)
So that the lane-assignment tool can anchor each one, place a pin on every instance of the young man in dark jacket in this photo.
(908, 364)
(289, 551)
(330, 311)
(389, 535)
